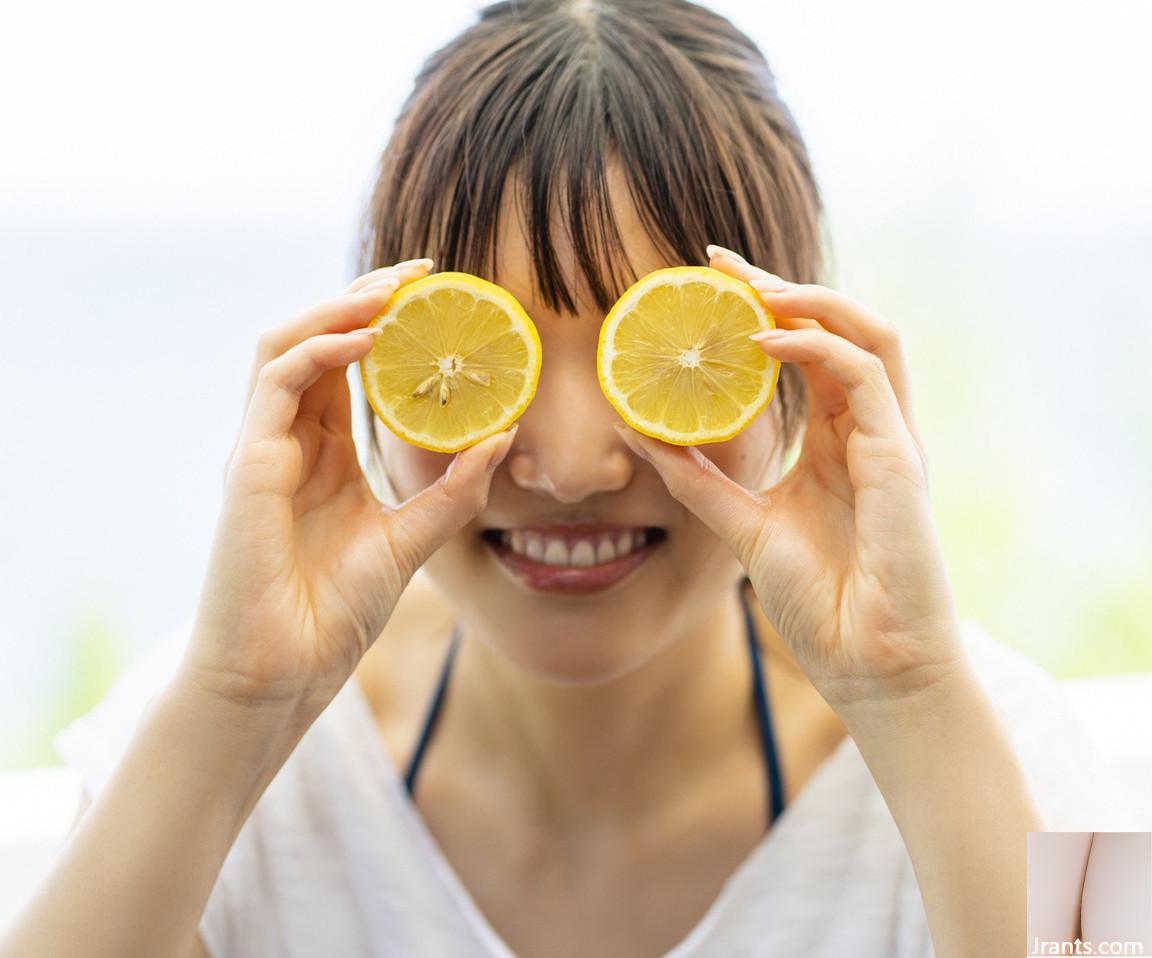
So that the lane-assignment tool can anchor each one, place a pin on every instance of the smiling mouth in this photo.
(573, 559)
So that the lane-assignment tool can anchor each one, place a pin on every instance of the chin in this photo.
(549, 619)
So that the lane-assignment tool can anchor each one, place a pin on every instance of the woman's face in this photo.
(570, 477)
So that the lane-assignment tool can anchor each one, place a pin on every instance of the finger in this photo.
(735, 514)
(351, 310)
(281, 383)
(833, 311)
(849, 319)
(834, 361)
(862, 375)
(422, 524)
(332, 388)
(384, 272)
(359, 310)
(736, 266)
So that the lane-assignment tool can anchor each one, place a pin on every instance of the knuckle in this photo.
(808, 335)
(886, 335)
(878, 332)
(269, 372)
(678, 485)
(460, 496)
(876, 367)
(268, 346)
(259, 465)
(908, 451)
(833, 299)
(873, 366)
(697, 480)
(303, 359)
(273, 376)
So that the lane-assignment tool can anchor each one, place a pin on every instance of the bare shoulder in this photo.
(397, 675)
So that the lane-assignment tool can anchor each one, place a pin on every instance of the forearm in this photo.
(950, 776)
(138, 869)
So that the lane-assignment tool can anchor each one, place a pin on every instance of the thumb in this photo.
(423, 523)
(735, 514)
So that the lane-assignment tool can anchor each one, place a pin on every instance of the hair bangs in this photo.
(566, 114)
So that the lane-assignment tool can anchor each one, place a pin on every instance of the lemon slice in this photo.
(675, 360)
(457, 360)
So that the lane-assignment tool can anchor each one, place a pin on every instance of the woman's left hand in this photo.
(842, 552)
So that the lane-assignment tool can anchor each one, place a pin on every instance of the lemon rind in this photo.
(605, 350)
(482, 289)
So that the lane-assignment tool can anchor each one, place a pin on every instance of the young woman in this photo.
(754, 726)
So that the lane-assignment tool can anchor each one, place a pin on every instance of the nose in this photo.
(566, 448)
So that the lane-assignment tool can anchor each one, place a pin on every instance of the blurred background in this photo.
(175, 180)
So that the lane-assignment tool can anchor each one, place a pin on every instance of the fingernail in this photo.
(770, 283)
(367, 331)
(768, 334)
(714, 250)
(630, 440)
(391, 284)
(415, 262)
(500, 456)
(448, 472)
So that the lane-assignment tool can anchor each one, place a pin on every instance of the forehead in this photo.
(622, 263)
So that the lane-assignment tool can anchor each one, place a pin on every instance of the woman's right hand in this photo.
(306, 564)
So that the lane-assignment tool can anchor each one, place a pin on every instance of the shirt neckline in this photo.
(757, 859)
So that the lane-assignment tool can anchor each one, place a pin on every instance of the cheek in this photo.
(410, 467)
(745, 458)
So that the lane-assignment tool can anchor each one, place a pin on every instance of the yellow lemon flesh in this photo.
(675, 360)
(457, 360)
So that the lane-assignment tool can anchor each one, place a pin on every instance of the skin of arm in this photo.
(126, 858)
(947, 770)
(304, 572)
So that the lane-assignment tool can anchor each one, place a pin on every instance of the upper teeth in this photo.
(589, 550)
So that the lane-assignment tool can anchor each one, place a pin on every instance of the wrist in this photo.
(229, 750)
(943, 759)
(257, 724)
(251, 698)
(903, 696)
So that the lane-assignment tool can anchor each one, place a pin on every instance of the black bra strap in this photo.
(767, 737)
(433, 713)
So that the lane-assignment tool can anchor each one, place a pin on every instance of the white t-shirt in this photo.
(336, 860)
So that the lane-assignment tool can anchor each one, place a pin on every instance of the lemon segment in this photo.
(675, 360)
(457, 360)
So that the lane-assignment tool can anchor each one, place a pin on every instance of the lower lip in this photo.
(571, 580)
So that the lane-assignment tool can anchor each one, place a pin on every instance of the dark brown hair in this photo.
(544, 94)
